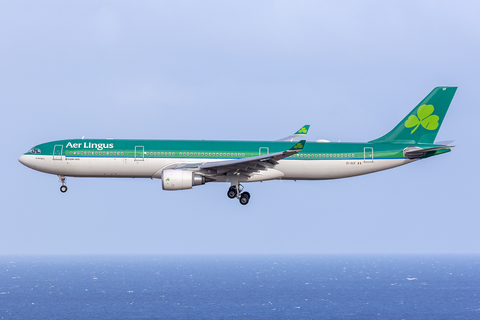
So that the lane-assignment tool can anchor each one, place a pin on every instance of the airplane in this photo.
(183, 164)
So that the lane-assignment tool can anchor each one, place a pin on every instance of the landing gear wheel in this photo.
(63, 188)
(232, 192)
(244, 198)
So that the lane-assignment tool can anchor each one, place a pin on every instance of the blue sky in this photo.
(237, 70)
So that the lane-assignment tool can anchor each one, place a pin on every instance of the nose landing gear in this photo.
(235, 191)
(63, 188)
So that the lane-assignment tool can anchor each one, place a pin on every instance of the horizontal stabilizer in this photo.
(417, 152)
(444, 143)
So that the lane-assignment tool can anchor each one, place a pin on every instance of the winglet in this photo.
(298, 146)
(303, 130)
(297, 135)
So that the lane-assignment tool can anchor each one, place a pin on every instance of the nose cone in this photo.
(25, 160)
(22, 159)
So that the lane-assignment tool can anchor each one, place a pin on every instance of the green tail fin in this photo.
(421, 125)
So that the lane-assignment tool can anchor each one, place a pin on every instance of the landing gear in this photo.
(244, 198)
(63, 188)
(232, 192)
(235, 191)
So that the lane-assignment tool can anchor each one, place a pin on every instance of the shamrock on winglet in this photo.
(303, 130)
(299, 145)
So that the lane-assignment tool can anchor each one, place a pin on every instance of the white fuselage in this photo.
(288, 169)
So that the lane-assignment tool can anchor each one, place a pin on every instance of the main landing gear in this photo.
(236, 192)
(63, 188)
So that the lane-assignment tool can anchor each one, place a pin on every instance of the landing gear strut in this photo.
(235, 191)
(63, 188)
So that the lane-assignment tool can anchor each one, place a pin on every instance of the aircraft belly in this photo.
(270, 174)
(333, 169)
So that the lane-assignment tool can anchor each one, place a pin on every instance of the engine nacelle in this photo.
(180, 179)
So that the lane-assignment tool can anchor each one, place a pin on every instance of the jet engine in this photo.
(180, 179)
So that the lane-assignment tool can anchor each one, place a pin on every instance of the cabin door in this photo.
(57, 152)
(139, 153)
(263, 151)
(368, 155)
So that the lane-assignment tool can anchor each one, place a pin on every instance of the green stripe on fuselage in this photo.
(220, 149)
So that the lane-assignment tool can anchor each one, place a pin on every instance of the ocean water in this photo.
(240, 287)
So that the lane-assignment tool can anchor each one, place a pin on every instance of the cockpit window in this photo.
(34, 150)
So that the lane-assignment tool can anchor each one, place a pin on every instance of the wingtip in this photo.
(299, 145)
(303, 130)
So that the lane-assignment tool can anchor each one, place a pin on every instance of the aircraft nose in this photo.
(24, 160)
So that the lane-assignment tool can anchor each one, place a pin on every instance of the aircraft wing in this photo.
(297, 135)
(244, 166)
(248, 166)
